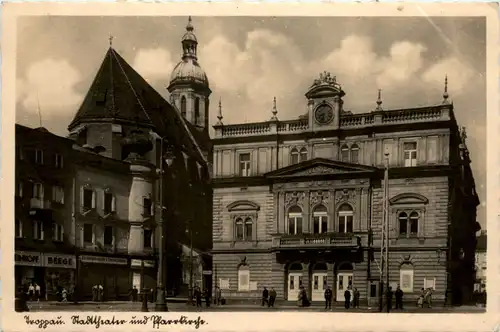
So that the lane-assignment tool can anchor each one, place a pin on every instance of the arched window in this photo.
(295, 220)
(243, 230)
(320, 218)
(406, 278)
(354, 153)
(344, 153)
(248, 229)
(183, 106)
(294, 156)
(346, 217)
(303, 154)
(197, 111)
(408, 224)
(243, 278)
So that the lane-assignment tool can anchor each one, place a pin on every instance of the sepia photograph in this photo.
(249, 163)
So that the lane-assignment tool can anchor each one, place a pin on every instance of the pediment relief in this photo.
(243, 206)
(319, 170)
(409, 198)
(320, 166)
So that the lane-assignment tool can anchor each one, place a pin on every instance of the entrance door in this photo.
(344, 280)
(319, 286)
(294, 283)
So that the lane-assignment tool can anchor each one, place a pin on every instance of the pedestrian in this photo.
(305, 300)
(31, 291)
(265, 297)
(217, 295)
(207, 297)
(355, 300)
(272, 297)
(64, 295)
(94, 293)
(389, 298)
(328, 298)
(38, 292)
(420, 301)
(135, 293)
(399, 298)
(100, 294)
(347, 298)
(197, 294)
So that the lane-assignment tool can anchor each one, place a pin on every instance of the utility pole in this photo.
(384, 237)
(386, 222)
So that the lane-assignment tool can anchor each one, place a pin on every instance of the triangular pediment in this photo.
(320, 166)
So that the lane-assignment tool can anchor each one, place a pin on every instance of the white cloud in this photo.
(154, 64)
(49, 83)
(459, 74)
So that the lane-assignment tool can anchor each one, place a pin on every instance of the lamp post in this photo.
(161, 303)
(386, 221)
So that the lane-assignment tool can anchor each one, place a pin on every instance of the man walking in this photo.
(399, 298)
(347, 297)
(272, 297)
(389, 298)
(265, 297)
(328, 298)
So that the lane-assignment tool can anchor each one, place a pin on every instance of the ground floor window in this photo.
(406, 278)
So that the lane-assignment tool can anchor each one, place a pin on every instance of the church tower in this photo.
(189, 87)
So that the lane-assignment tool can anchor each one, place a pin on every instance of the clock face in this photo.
(323, 114)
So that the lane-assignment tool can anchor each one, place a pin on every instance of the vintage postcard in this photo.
(249, 167)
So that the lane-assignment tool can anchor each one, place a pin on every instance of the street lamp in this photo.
(168, 156)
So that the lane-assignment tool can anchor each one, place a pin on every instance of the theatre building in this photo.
(299, 202)
(44, 250)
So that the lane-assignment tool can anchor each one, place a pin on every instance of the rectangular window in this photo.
(20, 152)
(57, 232)
(295, 225)
(245, 164)
(38, 232)
(345, 224)
(108, 203)
(88, 233)
(88, 199)
(108, 235)
(316, 282)
(373, 290)
(58, 194)
(320, 224)
(58, 162)
(244, 279)
(39, 156)
(248, 230)
(37, 190)
(410, 154)
(406, 280)
(430, 283)
(146, 207)
(19, 228)
(148, 238)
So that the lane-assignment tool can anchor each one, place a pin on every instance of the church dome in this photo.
(188, 70)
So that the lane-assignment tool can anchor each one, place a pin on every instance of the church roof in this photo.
(120, 95)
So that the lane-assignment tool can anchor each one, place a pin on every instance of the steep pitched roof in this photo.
(119, 94)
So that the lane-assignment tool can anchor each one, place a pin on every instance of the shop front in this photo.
(144, 275)
(112, 273)
(52, 272)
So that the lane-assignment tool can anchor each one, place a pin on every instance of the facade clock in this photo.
(323, 114)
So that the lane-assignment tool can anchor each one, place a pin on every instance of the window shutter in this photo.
(81, 197)
(94, 198)
(113, 204)
(42, 232)
(41, 191)
(103, 201)
(421, 215)
(62, 232)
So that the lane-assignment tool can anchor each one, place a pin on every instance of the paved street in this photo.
(177, 307)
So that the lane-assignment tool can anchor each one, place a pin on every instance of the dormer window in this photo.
(38, 156)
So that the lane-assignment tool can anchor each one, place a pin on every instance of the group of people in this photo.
(268, 297)
(198, 294)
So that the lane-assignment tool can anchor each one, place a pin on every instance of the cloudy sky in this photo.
(249, 60)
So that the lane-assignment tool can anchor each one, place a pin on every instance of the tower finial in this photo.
(445, 94)
(219, 115)
(189, 26)
(111, 40)
(379, 100)
(275, 110)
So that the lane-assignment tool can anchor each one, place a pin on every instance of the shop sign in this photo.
(103, 260)
(61, 261)
(139, 262)
(28, 258)
(207, 272)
